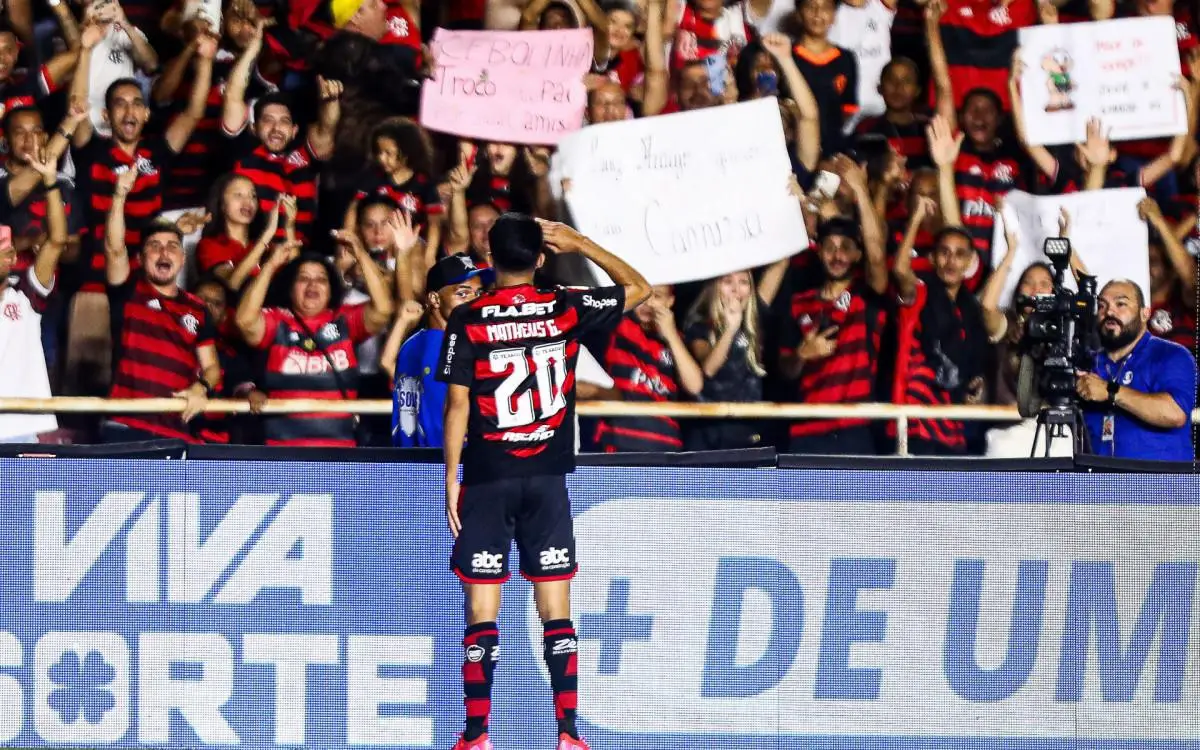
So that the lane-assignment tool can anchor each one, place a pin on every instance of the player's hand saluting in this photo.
(560, 238)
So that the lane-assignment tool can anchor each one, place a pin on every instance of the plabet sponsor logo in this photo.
(967, 619)
(519, 311)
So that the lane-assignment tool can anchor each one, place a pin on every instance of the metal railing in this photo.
(896, 413)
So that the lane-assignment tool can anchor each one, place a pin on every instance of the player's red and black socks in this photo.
(560, 645)
(481, 654)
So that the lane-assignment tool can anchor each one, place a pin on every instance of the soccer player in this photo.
(509, 358)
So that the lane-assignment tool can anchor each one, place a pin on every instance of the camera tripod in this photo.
(1064, 422)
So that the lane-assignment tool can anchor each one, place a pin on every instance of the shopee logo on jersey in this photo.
(598, 304)
(515, 311)
(299, 363)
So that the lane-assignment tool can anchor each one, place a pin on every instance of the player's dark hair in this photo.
(111, 91)
(516, 243)
(15, 111)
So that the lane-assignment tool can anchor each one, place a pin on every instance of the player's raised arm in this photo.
(561, 238)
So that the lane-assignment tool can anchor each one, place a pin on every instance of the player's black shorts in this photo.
(533, 510)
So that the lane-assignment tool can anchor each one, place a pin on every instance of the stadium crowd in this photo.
(205, 200)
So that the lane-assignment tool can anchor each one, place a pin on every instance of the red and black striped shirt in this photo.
(99, 164)
(418, 196)
(643, 369)
(847, 377)
(908, 140)
(24, 89)
(204, 157)
(915, 382)
(980, 178)
(28, 218)
(155, 344)
(312, 358)
(980, 37)
(276, 174)
(516, 348)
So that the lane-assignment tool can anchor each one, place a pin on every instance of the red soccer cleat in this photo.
(567, 742)
(479, 743)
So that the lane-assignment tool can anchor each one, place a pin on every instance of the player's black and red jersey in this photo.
(312, 358)
(642, 369)
(516, 348)
(848, 376)
(833, 78)
(155, 340)
(980, 178)
(99, 165)
(418, 196)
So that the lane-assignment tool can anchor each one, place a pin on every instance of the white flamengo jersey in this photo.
(867, 32)
(21, 357)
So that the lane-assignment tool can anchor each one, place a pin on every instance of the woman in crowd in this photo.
(225, 250)
(725, 332)
(310, 339)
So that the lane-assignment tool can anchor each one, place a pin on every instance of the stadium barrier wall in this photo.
(192, 603)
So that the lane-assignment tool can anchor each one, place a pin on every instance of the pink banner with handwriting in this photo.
(508, 86)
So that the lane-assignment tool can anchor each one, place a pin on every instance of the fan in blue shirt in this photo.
(1138, 400)
(418, 399)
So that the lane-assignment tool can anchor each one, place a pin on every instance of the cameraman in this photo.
(1138, 399)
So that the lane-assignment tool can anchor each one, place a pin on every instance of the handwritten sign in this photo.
(508, 86)
(1121, 71)
(679, 204)
(1105, 232)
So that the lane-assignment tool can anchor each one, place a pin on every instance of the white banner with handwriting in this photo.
(1104, 230)
(1122, 71)
(688, 196)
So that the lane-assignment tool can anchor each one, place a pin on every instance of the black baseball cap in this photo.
(455, 269)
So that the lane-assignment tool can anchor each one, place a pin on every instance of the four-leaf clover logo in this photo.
(82, 688)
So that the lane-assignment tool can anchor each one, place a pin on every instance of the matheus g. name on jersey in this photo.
(516, 349)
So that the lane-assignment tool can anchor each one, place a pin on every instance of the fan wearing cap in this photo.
(830, 345)
(418, 397)
(391, 22)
